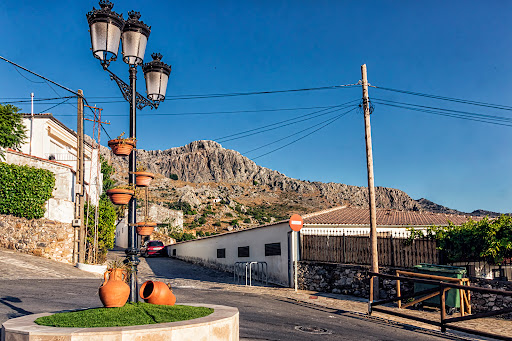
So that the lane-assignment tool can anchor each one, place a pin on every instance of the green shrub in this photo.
(173, 176)
(229, 214)
(247, 220)
(24, 190)
(217, 223)
(106, 226)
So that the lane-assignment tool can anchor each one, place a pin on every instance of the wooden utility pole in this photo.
(80, 171)
(374, 281)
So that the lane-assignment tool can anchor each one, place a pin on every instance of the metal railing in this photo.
(248, 270)
(440, 288)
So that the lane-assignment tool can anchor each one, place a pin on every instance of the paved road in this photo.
(31, 285)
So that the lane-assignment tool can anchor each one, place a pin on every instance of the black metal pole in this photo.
(132, 250)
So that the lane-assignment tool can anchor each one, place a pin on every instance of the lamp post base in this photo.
(133, 261)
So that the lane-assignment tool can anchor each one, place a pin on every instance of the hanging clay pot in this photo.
(155, 292)
(120, 196)
(143, 178)
(121, 147)
(114, 292)
(145, 228)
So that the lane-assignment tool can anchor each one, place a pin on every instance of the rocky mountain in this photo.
(206, 169)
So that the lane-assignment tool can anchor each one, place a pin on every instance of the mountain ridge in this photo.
(207, 162)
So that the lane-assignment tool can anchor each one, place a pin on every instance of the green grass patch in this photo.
(132, 314)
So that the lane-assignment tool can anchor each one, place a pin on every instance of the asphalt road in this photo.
(262, 317)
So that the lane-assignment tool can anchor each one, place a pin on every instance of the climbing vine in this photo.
(24, 190)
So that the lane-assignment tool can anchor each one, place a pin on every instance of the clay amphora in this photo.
(155, 292)
(114, 291)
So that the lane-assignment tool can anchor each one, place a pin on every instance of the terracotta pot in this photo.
(113, 292)
(143, 178)
(118, 274)
(155, 292)
(120, 196)
(121, 147)
(145, 228)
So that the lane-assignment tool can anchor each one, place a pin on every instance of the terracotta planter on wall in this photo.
(121, 147)
(120, 196)
(114, 292)
(145, 228)
(143, 179)
(155, 292)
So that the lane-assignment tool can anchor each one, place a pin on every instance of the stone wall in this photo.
(353, 280)
(41, 237)
(345, 279)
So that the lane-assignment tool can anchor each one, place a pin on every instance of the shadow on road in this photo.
(8, 300)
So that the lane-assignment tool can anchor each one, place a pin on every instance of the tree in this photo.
(12, 129)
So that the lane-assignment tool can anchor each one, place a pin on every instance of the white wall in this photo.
(204, 250)
(49, 137)
(60, 207)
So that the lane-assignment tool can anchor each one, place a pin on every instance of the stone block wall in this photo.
(353, 280)
(41, 237)
(345, 279)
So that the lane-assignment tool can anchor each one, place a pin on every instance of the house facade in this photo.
(53, 146)
(273, 243)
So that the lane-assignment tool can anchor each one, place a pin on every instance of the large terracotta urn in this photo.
(114, 291)
(156, 292)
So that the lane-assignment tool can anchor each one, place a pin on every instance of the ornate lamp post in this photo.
(107, 28)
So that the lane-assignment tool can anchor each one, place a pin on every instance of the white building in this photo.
(53, 146)
(273, 243)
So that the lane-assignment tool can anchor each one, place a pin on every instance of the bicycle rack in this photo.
(247, 269)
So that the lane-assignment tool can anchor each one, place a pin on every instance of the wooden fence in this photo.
(350, 249)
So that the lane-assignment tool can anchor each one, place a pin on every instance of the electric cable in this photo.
(498, 118)
(303, 137)
(340, 106)
(451, 99)
(466, 117)
(298, 132)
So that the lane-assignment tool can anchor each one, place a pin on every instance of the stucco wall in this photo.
(61, 206)
(204, 250)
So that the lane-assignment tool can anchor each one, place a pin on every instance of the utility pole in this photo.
(374, 281)
(80, 190)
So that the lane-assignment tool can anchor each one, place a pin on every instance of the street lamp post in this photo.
(107, 28)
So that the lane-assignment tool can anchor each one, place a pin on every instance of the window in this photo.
(243, 251)
(273, 249)
(174, 252)
(155, 243)
(221, 253)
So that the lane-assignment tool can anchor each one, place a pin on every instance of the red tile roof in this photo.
(361, 216)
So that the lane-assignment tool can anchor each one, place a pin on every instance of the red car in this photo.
(152, 248)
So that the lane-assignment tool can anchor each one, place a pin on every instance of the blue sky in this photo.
(459, 49)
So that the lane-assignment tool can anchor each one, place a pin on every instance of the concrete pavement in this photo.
(30, 284)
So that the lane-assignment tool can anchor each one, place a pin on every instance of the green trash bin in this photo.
(453, 295)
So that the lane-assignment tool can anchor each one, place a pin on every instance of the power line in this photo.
(303, 137)
(460, 116)
(56, 105)
(498, 118)
(38, 100)
(233, 94)
(280, 123)
(216, 112)
(451, 99)
(298, 132)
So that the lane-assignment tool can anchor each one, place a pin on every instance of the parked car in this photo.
(152, 248)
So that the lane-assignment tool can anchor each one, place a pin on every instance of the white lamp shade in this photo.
(105, 27)
(156, 85)
(105, 39)
(134, 47)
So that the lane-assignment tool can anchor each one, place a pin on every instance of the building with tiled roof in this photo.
(341, 216)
